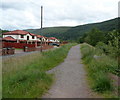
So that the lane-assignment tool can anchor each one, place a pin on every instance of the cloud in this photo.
(25, 14)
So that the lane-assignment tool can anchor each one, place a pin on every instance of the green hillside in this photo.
(50, 31)
(3, 31)
(72, 33)
(78, 31)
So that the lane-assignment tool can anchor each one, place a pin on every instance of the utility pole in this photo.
(41, 24)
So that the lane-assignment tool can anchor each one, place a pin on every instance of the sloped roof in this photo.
(16, 32)
(39, 36)
(9, 38)
(32, 34)
(52, 38)
(45, 37)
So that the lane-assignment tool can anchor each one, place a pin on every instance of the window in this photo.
(22, 36)
(40, 38)
(33, 37)
(27, 37)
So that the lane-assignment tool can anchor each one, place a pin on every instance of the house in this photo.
(39, 40)
(20, 36)
(0, 44)
(24, 38)
(53, 40)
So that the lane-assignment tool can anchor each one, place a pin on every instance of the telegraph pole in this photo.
(41, 24)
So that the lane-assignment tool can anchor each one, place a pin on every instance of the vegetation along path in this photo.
(70, 78)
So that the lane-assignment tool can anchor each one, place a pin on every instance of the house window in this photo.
(27, 37)
(40, 38)
(22, 36)
(33, 37)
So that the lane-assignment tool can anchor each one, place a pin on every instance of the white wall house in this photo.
(21, 35)
(28, 37)
(53, 39)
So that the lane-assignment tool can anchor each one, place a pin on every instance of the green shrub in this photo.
(98, 68)
(102, 82)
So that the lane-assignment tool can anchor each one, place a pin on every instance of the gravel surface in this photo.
(70, 78)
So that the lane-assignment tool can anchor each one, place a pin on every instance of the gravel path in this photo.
(70, 78)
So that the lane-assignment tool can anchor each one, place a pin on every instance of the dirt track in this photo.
(70, 78)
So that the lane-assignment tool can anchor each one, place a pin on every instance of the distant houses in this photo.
(53, 39)
(24, 38)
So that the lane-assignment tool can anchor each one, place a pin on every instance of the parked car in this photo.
(54, 44)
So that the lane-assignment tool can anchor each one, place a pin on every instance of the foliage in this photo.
(29, 79)
(112, 48)
(3, 31)
(98, 66)
(94, 36)
(74, 33)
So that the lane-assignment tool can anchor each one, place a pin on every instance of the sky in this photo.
(25, 14)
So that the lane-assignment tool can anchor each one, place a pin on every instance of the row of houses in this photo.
(24, 37)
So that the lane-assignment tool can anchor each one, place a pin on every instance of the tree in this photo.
(94, 36)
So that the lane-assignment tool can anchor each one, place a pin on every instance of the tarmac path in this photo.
(71, 78)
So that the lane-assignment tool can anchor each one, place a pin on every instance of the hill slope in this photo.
(72, 33)
(78, 31)
(50, 31)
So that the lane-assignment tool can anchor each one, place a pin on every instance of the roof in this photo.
(32, 34)
(39, 36)
(9, 38)
(52, 38)
(16, 32)
(45, 37)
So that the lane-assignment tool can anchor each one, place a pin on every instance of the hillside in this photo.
(50, 31)
(2, 31)
(72, 33)
(78, 31)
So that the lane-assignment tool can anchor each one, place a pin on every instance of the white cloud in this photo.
(25, 14)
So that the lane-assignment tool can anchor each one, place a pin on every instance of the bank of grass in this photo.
(25, 76)
(98, 66)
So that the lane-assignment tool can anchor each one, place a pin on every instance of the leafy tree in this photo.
(112, 48)
(94, 36)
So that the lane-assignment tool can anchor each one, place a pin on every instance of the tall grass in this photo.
(25, 77)
(98, 66)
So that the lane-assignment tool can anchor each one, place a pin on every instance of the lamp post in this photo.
(41, 24)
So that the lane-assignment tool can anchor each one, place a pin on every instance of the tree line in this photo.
(106, 41)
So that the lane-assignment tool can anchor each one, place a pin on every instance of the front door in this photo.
(27, 37)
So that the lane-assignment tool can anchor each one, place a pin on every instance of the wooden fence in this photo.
(27, 49)
(7, 51)
(17, 45)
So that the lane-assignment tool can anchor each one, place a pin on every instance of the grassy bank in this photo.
(98, 66)
(25, 77)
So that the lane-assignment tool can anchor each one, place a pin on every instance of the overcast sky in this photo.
(25, 14)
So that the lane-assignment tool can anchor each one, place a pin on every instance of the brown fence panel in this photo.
(17, 45)
(27, 49)
(8, 51)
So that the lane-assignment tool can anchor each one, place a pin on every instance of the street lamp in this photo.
(41, 24)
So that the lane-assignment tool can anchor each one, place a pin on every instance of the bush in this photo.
(98, 68)
(102, 83)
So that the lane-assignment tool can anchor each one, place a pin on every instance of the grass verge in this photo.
(98, 67)
(25, 77)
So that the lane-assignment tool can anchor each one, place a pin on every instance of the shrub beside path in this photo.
(71, 78)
